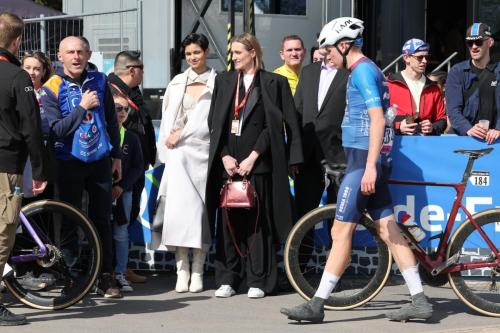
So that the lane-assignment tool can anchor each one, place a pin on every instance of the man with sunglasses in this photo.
(127, 76)
(417, 100)
(472, 90)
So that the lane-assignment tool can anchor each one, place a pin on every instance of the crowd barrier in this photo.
(417, 158)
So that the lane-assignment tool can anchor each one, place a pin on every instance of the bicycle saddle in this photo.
(474, 152)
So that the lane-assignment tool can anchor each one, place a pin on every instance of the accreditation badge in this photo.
(235, 127)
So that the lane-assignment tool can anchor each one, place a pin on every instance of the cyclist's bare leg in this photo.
(419, 308)
(390, 234)
(340, 253)
(337, 261)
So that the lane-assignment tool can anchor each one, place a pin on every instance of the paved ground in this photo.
(155, 307)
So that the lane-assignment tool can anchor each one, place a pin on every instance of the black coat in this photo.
(280, 112)
(321, 131)
(138, 122)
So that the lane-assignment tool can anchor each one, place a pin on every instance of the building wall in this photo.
(156, 38)
(158, 21)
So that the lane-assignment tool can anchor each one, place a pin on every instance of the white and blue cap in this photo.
(478, 31)
(415, 45)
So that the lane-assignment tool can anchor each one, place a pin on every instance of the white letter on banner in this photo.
(471, 202)
(409, 208)
(425, 217)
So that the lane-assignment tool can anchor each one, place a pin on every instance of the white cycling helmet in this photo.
(341, 28)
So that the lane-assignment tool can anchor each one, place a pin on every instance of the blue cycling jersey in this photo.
(366, 88)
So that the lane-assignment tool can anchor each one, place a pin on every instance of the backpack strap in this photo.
(475, 85)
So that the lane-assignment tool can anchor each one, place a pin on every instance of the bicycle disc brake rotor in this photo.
(53, 256)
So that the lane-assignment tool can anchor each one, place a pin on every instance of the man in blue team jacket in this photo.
(80, 111)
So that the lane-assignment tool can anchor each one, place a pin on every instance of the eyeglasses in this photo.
(141, 66)
(471, 43)
(420, 58)
(120, 108)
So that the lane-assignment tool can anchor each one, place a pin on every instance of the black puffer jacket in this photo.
(20, 129)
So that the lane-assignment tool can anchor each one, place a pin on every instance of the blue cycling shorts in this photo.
(351, 203)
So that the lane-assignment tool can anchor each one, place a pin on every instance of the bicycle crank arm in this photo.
(451, 261)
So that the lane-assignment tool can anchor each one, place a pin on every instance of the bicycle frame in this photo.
(431, 264)
(42, 252)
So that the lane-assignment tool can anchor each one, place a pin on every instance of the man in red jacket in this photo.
(419, 105)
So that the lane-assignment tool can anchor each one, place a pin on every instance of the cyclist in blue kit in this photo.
(367, 141)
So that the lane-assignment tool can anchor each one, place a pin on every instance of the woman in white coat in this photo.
(183, 145)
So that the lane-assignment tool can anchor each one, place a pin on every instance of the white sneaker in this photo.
(123, 283)
(225, 291)
(256, 293)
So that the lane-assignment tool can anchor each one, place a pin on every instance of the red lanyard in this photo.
(241, 105)
(3, 58)
(130, 102)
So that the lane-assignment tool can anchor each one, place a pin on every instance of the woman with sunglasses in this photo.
(418, 102)
(40, 69)
(132, 168)
(182, 145)
(251, 111)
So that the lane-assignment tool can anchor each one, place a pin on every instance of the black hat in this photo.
(478, 31)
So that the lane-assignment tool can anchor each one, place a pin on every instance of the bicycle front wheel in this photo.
(70, 268)
(478, 288)
(306, 253)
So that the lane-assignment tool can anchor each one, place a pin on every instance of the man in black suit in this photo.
(320, 101)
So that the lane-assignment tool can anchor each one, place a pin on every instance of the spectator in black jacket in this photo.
(132, 169)
(127, 77)
(20, 135)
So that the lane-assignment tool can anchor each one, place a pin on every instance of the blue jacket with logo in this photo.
(462, 113)
(61, 98)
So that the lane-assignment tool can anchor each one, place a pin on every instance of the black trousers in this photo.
(75, 176)
(309, 187)
(259, 268)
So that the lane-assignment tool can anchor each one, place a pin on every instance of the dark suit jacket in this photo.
(279, 110)
(321, 131)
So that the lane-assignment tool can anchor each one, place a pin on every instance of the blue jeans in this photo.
(120, 235)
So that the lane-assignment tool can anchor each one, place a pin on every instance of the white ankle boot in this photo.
(182, 264)
(197, 269)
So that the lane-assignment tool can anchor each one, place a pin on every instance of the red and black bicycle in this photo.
(469, 257)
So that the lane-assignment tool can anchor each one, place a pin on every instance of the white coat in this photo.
(184, 180)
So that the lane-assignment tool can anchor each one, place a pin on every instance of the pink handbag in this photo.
(237, 194)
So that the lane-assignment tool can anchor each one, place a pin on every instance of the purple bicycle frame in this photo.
(34, 231)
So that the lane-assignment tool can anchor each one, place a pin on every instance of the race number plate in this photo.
(480, 178)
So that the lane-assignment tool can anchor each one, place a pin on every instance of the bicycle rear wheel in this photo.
(69, 270)
(307, 249)
(478, 288)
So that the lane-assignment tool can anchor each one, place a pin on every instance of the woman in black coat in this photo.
(251, 110)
